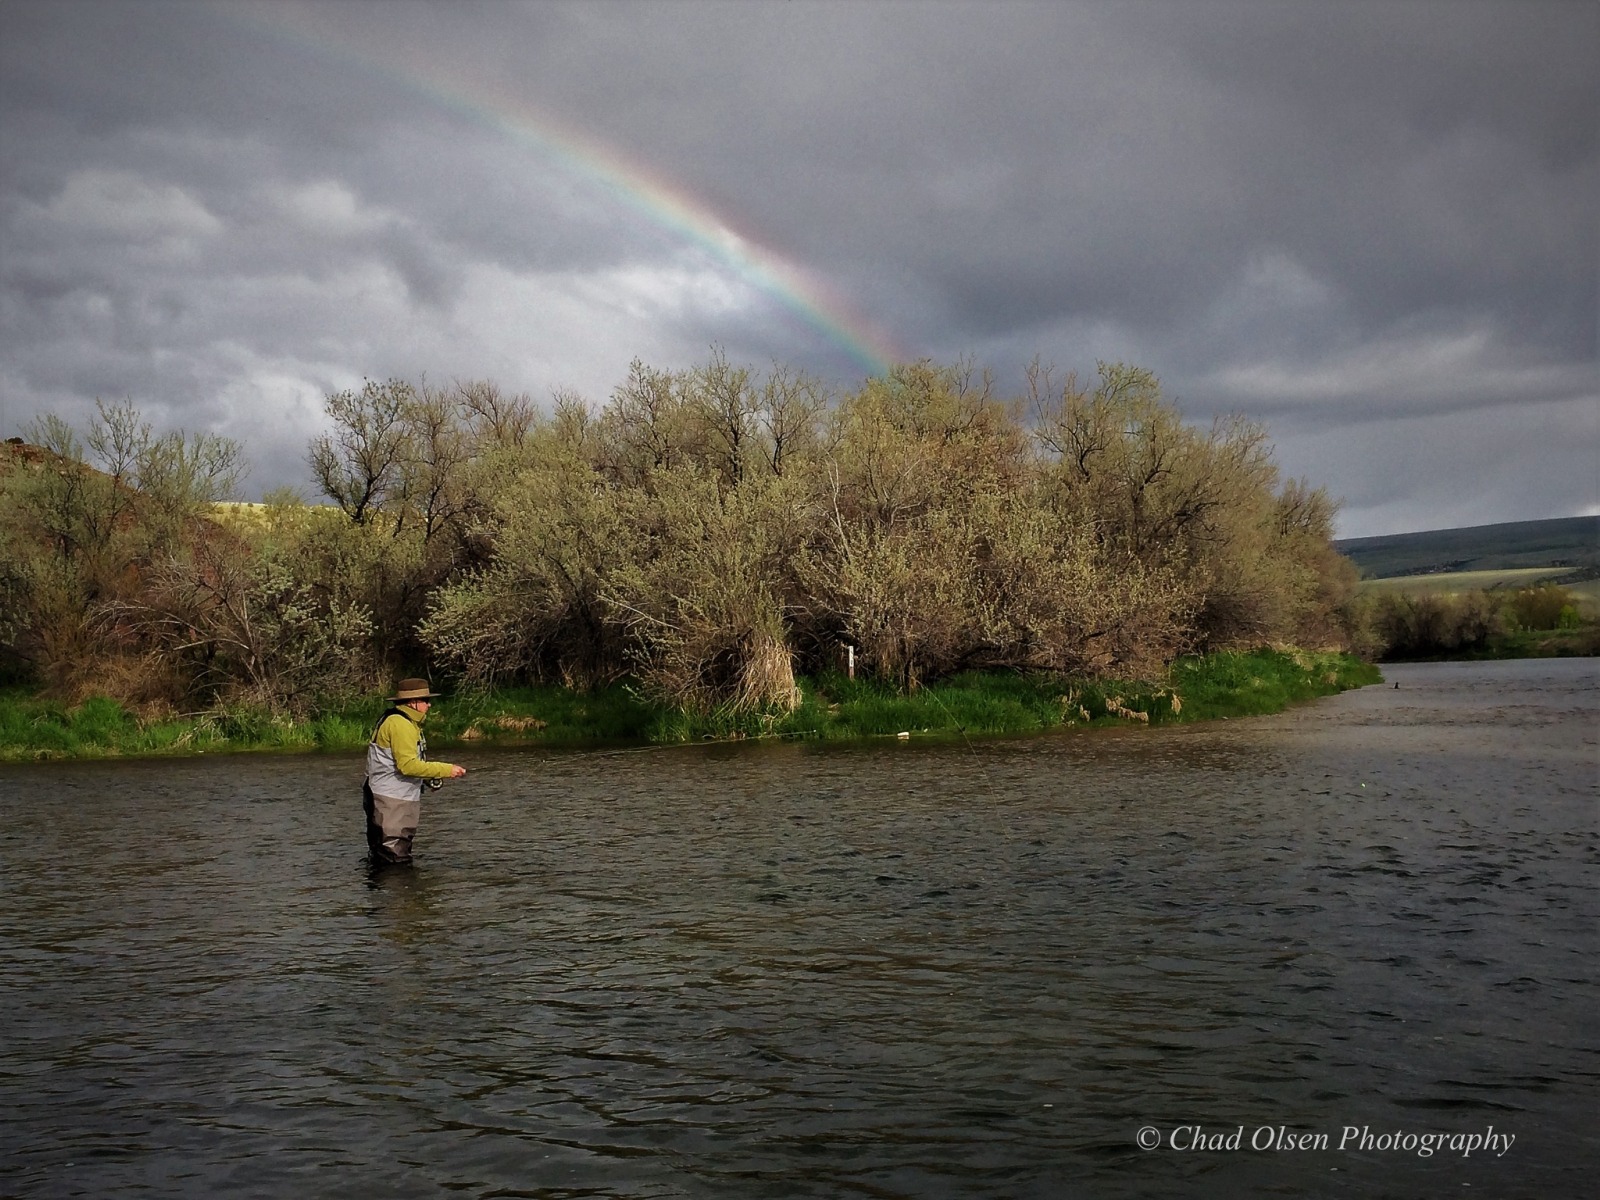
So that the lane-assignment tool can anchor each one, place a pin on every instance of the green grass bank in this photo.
(832, 707)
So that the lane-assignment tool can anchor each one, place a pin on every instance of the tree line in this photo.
(1429, 624)
(707, 533)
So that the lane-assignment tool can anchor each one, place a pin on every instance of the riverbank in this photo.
(832, 707)
(1582, 641)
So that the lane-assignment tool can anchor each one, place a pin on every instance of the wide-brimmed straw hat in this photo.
(413, 689)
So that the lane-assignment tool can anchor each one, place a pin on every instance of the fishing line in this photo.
(616, 752)
(960, 728)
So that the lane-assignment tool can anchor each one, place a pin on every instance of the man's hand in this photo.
(456, 772)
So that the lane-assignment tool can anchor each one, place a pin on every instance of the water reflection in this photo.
(788, 970)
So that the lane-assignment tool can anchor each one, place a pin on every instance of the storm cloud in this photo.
(1371, 225)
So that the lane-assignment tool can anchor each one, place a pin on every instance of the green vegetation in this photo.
(712, 536)
(1580, 642)
(1242, 685)
(1583, 594)
(1543, 619)
(1463, 581)
(1586, 595)
(1226, 684)
(1519, 590)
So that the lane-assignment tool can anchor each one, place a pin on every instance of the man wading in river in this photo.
(397, 764)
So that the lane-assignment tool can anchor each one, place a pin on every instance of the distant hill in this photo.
(1562, 542)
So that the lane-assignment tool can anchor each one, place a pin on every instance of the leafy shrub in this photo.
(1431, 623)
(706, 534)
(1546, 606)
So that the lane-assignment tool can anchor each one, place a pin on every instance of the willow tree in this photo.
(1253, 556)
(85, 517)
(409, 466)
(709, 531)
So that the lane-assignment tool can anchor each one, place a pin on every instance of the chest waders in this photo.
(392, 820)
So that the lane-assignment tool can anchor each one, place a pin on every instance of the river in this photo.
(924, 969)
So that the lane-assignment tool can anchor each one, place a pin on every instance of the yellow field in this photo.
(1587, 592)
(244, 515)
(1464, 581)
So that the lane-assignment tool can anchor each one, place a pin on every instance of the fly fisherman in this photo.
(397, 765)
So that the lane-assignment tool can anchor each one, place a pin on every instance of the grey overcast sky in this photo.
(1374, 226)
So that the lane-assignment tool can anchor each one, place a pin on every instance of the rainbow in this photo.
(659, 200)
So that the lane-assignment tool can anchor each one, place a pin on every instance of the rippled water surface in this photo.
(796, 970)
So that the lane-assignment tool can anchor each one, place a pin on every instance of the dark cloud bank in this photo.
(1371, 225)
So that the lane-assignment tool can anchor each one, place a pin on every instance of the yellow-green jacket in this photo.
(397, 756)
